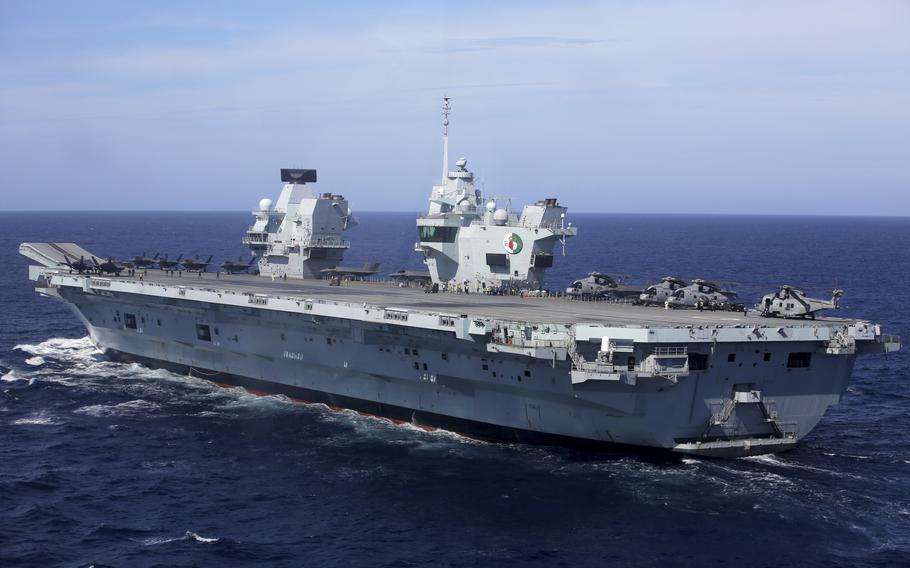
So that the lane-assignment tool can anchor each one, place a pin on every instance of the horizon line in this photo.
(662, 213)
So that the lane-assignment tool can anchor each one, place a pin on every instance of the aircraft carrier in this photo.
(477, 350)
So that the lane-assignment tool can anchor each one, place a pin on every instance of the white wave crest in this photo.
(56, 345)
(80, 356)
(188, 535)
(84, 368)
(129, 408)
(12, 378)
(774, 461)
(203, 539)
(381, 427)
(40, 418)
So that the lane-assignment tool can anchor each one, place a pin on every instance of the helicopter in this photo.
(142, 261)
(108, 267)
(165, 264)
(238, 267)
(791, 302)
(703, 294)
(196, 265)
(660, 292)
(80, 266)
(600, 285)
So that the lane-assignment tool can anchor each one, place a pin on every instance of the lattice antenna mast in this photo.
(446, 109)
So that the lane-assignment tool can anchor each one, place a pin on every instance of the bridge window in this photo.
(129, 321)
(203, 332)
(543, 261)
(430, 234)
(799, 360)
(496, 259)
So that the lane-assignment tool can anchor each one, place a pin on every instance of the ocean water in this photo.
(110, 464)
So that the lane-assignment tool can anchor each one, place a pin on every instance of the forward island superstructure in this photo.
(301, 235)
(495, 366)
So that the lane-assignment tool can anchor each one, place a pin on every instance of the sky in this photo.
(772, 107)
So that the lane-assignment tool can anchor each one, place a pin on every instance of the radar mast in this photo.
(446, 109)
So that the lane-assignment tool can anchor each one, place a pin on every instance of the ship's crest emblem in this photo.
(512, 243)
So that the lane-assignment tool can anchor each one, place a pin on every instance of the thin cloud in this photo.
(649, 98)
(514, 42)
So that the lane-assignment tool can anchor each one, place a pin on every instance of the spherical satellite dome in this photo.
(491, 206)
(500, 216)
(265, 204)
(464, 204)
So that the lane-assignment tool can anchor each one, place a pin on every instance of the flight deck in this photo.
(560, 310)
(552, 309)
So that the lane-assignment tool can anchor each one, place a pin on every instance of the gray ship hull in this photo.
(716, 384)
(436, 380)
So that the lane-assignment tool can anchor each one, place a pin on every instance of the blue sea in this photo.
(111, 464)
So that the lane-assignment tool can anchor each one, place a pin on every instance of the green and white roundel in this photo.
(512, 243)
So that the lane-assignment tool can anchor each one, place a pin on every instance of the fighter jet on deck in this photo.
(196, 265)
(238, 267)
(165, 264)
(142, 261)
(352, 273)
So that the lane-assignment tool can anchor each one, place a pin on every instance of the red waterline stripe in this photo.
(395, 421)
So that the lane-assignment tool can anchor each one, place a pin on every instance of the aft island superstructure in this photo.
(484, 245)
(492, 365)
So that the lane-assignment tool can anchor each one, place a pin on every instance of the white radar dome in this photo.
(265, 204)
(500, 217)
(491, 206)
